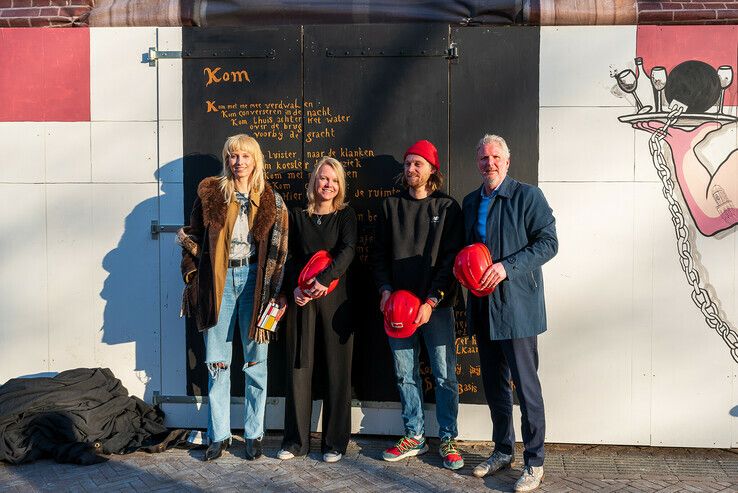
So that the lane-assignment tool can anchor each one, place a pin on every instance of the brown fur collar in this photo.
(214, 208)
(266, 214)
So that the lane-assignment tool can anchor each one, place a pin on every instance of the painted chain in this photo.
(700, 295)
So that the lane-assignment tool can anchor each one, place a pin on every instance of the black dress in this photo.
(326, 320)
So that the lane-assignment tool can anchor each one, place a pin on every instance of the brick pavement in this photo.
(575, 468)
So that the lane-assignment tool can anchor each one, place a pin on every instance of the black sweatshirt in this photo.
(335, 233)
(416, 244)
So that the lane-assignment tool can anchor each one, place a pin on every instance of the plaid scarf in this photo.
(274, 269)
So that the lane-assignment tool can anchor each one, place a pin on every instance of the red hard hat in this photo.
(317, 264)
(469, 266)
(399, 314)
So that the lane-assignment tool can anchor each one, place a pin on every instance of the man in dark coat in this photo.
(516, 223)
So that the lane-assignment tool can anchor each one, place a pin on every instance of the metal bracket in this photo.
(157, 228)
(158, 398)
(230, 53)
(153, 55)
(452, 52)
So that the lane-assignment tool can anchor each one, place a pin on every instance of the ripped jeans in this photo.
(238, 301)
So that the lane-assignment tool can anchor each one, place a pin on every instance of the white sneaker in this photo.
(531, 478)
(285, 455)
(331, 457)
(496, 462)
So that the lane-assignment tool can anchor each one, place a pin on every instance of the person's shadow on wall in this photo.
(132, 289)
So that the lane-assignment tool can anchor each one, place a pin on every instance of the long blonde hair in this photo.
(236, 143)
(339, 201)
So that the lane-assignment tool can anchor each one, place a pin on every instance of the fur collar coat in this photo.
(206, 244)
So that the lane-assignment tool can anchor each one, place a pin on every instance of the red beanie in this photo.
(424, 149)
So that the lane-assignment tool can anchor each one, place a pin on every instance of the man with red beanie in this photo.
(419, 233)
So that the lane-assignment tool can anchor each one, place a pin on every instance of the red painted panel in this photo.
(668, 46)
(44, 74)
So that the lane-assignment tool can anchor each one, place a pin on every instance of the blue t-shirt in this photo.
(484, 203)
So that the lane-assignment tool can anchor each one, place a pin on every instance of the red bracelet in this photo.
(431, 303)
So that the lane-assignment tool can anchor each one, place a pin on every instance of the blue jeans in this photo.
(439, 335)
(238, 301)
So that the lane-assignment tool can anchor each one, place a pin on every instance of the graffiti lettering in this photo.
(214, 75)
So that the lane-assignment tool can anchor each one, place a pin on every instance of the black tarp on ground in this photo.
(76, 416)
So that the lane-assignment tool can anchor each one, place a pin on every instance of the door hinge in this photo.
(452, 52)
(157, 228)
(153, 55)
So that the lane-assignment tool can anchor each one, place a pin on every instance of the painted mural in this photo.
(681, 86)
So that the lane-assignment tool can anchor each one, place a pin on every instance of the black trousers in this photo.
(517, 359)
(323, 321)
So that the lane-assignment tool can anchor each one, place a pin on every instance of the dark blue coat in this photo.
(521, 233)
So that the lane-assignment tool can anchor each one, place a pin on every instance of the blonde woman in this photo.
(315, 318)
(233, 258)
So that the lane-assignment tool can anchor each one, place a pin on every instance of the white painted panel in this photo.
(170, 151)
(474, 420)
(174, 376)
(576, 61)
(170, 74)
(692, 368)
(646, 199)
(68, 152)
(24, 330)
(124, 152)
(644, 167)
(196, 415)
(587, 355)
(126, 311)
(72, 333)
(584, 144)
(173, 357)
(734, 410)
(734, 400)
(121, 87)
(22, 144)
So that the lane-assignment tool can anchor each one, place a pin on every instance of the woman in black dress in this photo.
(317, 318)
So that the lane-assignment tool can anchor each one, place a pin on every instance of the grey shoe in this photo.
(332, 456)
(496, 462)
(531, 478)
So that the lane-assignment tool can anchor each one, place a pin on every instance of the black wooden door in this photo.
(238, 80)
(494, 89)
(385, 87)
(362, 94)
